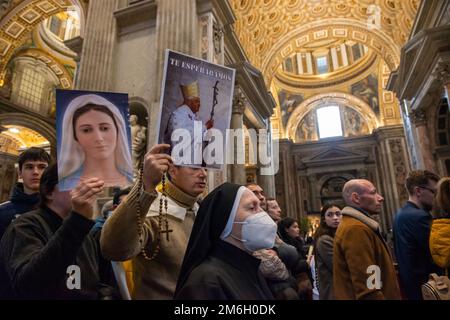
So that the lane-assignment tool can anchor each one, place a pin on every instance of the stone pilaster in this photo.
(442, 74)
(96, 64)
(237, 170)
(314, 189)
(76, 45)
(419, 121)
(287, 177)
(176, 29)
(265, 177)
(393, 167)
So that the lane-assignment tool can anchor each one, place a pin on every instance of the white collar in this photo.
(173, 208)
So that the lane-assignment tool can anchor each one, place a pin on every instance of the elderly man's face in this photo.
(194, 104)
(259, 193)
(274, 210)
(369, 199)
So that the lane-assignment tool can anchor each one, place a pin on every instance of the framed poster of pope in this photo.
(195, 110)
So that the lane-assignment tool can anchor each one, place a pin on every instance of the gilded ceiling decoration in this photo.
(334, 98)
(267, 27)
(24, 137)
(312, 82)
(19, 18)
(65, 79)
(277, 35)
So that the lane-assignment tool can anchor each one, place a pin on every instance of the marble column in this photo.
(96, 65)
(176, 29)
(288, 176)
(315, 200)
(76, 45)
(442, 74)
(392, 168)
(419, 120)
(265, 179)
(237, 170)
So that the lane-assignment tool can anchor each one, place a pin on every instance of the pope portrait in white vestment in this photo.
(185, 117)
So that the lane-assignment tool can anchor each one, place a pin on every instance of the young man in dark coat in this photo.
(25, 196)
(412, 225)
(49, 253)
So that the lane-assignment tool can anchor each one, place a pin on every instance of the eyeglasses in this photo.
(429, 189)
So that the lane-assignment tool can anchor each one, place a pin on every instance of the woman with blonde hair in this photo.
(94, 143)
(440, 229)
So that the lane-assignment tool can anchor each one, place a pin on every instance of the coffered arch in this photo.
(336, 98)
(261, 25)
(45, 129)
(348, 29)
(21, 18)
(64, 78)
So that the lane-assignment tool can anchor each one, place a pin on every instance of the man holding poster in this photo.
(153, 224)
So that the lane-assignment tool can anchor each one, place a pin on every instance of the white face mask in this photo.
(258, 232)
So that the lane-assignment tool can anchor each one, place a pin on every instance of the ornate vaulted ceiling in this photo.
(19, 18)
(15, 138)
(265, 25)
(275, 31)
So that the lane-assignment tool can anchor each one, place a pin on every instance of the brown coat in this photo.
(358, 245)
(324, 263)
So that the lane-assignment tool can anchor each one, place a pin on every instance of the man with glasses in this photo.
(412, 225)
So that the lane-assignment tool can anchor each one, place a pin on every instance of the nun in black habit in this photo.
(218, 264)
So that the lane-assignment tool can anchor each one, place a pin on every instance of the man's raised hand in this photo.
(155, 164)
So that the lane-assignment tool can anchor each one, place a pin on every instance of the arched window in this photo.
(329, 122)
(33, 84)
(322, 64)
(31, 89)
(64, 25)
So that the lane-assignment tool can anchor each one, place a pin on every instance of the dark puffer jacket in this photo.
(19, 203)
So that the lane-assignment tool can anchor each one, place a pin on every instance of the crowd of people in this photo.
(162, 238)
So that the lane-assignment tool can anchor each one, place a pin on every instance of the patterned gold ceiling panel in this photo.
(263, 24)
(24, 137)
(57, 68)
(19, 18)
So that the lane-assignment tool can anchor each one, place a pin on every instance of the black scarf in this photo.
(209, 224)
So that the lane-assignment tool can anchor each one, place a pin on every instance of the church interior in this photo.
(346, 88)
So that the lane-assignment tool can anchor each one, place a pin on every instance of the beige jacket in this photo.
(119, 241)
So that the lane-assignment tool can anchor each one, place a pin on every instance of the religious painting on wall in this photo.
(354, 123)
(195, 110)
(288, 103)
(93, 138)
(367, 90)
(307, 128)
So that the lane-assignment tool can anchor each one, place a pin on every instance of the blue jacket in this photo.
(19, 203)
(412, 227)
